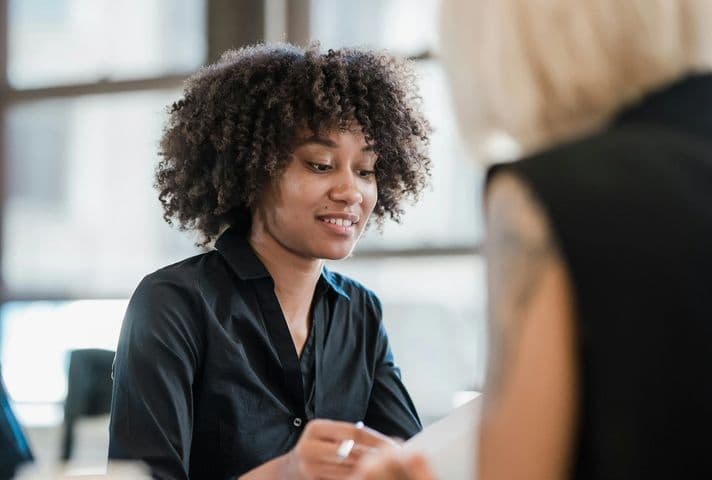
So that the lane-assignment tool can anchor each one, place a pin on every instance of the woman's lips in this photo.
(340, 224)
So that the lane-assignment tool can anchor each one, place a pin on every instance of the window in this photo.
(62, 42)
(81, 217)
(82, 109)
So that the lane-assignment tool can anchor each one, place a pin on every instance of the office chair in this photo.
(88, 390)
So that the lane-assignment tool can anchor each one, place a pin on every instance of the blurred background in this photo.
(84, 87)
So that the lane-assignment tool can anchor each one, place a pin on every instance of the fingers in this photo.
(331, 449)
(325, 451)
(394, 466)
(360, 451)
(372, 438)
(329, 471)
(338, 431)
(418, 468)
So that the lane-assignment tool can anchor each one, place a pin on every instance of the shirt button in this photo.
(297, 422)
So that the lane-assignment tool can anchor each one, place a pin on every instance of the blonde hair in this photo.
(547, 70)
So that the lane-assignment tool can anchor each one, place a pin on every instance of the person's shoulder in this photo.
(364, 306)
(181, 280)
(597, 144)
(618, 145)
(170, 295)
(353, 289)
(167, 308)
(184, 273)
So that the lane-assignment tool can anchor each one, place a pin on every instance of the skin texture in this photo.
(314, 457)
(329, 176)
(530, 404)
(528, 421)
(394, 465)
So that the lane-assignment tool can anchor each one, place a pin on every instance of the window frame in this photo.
(230, 23)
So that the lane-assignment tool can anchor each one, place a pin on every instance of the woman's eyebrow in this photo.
(317, 140)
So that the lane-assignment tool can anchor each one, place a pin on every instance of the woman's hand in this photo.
(393, 465)
(317, 454)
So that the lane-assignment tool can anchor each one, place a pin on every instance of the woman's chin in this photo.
(336, 253)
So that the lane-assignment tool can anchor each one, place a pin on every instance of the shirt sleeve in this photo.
(390, 408)
(154, 369)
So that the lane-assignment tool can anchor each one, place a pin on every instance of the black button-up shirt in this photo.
(207, 380)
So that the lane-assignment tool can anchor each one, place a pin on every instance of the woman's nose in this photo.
(347, 192)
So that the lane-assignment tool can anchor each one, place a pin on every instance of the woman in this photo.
(253, 360)
(599, 242)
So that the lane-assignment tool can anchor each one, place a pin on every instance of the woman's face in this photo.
(320, 204)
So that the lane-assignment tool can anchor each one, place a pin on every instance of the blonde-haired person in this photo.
(599, 244)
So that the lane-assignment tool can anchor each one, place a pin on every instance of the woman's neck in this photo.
(294, 276)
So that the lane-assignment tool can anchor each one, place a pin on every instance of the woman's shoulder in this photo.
(173, 298)
(352, 289)
(185, 276)
(620, 146)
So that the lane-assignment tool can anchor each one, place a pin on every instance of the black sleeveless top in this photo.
(631, 208)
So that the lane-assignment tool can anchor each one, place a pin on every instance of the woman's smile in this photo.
(340, 224)
(340, 195)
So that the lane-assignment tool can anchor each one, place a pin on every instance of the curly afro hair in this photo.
(238, 121)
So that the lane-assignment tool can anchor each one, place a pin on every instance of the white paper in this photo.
(450, 444)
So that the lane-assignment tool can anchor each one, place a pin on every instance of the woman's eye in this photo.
(320, 167)
(367, 173)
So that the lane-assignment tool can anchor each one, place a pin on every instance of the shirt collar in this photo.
(332, 281)
(238, 253)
